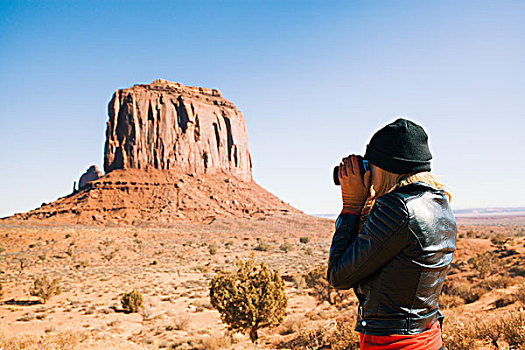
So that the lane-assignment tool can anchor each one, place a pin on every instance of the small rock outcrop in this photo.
(167, 125)
(91, 174)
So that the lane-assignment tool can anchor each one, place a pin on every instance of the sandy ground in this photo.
(173, 268)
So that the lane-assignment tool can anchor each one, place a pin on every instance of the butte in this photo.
(173, 153)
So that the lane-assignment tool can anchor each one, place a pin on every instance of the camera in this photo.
(364, 166)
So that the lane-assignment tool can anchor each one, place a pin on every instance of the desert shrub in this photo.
(520, 293)
(212, 248)
(299, 282)
(517, 271)
(465, 291)
(497, 282)
(286, 247)
(211, 342)
(262, 246)
(322, 291)
(489, 328)
(291, 325)
(459, 333)
(1, 291)
(132, 301)
(304, 239)
(484, 263)
(513, 328)
(250, 298)
(499, 240)
(202, 268)
(333, 335)
(44, 288)
(447, 301)
(110, 255)
(180, 323)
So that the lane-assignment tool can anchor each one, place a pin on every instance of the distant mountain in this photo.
(473, 212)
(515, 211)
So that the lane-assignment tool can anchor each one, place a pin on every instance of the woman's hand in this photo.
(354, 188)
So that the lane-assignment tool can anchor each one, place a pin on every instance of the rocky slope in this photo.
(152, 196)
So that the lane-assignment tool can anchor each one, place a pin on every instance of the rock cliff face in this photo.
(90, 175)
(167, 125)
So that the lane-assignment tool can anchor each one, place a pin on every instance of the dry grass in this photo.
(65, 340)
(335, 334)
(479, 312)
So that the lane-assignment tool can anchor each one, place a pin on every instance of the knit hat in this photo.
(400, 147)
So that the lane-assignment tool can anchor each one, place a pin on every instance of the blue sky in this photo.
(314, 80)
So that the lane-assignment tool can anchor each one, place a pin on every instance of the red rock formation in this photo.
(139, 196)
(173, 154)
(167, 125)
(90, 175)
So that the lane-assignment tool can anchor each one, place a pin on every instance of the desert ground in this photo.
(172, 266)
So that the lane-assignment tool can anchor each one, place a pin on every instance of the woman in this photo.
(394, 240)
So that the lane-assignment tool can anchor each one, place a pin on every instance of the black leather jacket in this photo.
(398, 262)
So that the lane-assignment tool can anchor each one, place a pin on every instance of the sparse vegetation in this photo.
(336, 335)
(45, 288)
(322, 291)
(463, 332)
(250, 298)
(132, 301)
(175, 281)
(484, 263)
(262, 246)
(513, 328)
(304, 239)
(110, 255)
(212, 248)
(465, 291)
(286, 247)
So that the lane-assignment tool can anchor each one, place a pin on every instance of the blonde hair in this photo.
(389, 182)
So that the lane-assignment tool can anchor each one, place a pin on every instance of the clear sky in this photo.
(314, 80)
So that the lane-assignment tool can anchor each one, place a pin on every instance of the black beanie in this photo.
(400, 147)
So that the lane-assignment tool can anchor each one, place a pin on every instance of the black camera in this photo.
(364, 166)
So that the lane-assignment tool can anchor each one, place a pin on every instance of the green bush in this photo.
(132, 301)
(45, 288)
(250, 298)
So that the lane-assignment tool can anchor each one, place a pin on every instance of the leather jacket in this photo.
(398, 262)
